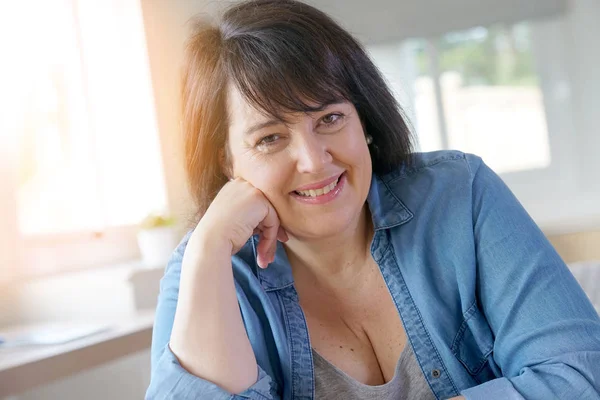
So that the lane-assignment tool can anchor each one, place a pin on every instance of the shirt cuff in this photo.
(171, 381)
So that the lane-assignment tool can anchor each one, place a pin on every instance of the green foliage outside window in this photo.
(496, 56)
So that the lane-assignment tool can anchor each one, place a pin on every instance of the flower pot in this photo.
(156, 245)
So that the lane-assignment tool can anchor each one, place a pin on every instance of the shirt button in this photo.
(436, 373)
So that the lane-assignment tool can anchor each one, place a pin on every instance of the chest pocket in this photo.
(473, 343)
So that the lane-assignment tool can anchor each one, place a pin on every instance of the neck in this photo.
(336, 261)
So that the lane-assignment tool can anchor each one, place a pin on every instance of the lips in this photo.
(319, 185)
(320, 193)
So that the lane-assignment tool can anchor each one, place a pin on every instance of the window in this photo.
(85, 165)
(478, 90)
(483, 86)
(503, 92)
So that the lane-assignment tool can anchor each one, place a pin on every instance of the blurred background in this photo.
(92, 189)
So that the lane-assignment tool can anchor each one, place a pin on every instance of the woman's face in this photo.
(315, 171)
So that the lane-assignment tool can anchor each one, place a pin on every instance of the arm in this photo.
(547, 334)
(170, 379)
(208, 337)
(200, 347)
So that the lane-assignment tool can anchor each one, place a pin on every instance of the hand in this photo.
(458, 398)
(238, 211)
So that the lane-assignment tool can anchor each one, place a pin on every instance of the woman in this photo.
(331, 262)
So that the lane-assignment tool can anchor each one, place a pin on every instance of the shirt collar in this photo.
(387, 211)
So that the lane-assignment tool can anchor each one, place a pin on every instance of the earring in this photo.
(369, 139)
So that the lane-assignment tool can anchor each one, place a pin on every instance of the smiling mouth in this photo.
(318, 192)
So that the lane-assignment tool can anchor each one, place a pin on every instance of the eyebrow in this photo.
(272, 122)
(262, 125)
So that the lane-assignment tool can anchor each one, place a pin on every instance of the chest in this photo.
(360, 333)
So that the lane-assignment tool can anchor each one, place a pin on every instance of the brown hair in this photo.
(282, 55)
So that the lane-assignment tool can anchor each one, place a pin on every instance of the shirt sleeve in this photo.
(547, 333)
(169, 380)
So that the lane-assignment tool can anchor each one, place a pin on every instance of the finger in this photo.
(265, 252)
(270, 230)
(262, 256)
(268, 238)
(282, 235)
(261, 260)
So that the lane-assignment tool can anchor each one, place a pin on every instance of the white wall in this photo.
(377, 21)
(166, 30)
(584, 67)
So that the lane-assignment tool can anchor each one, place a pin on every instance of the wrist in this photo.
(208, 243)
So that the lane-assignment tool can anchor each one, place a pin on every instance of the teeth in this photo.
(318, 192)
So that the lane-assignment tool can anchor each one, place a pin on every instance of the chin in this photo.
(328, 225)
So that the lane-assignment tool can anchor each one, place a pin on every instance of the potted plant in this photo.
(157, 238)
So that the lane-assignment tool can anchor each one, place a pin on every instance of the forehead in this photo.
(240, 112)
(244, 117)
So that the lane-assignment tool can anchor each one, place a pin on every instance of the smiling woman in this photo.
(279, 74)
(329, 260)
(303, 155)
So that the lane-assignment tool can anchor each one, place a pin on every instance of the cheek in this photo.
(273, 183)
(353, 149)
(264, 173)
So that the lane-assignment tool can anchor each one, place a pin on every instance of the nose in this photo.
(312, 154)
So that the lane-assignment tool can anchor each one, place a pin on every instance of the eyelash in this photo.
(339, 118)
(265, 142)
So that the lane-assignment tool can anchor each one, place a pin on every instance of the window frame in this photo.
(32, 256)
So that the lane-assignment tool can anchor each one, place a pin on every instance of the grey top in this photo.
(408, 382)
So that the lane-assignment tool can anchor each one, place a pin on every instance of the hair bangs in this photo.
(270, 74)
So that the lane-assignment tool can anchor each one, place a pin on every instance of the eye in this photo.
(332, 119)
(268, 140)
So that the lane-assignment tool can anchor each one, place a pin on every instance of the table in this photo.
(23, 368)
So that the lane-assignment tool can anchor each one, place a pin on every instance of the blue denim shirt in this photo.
(489, 307)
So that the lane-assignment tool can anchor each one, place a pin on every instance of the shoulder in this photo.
(429, 181)
(442, 164)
